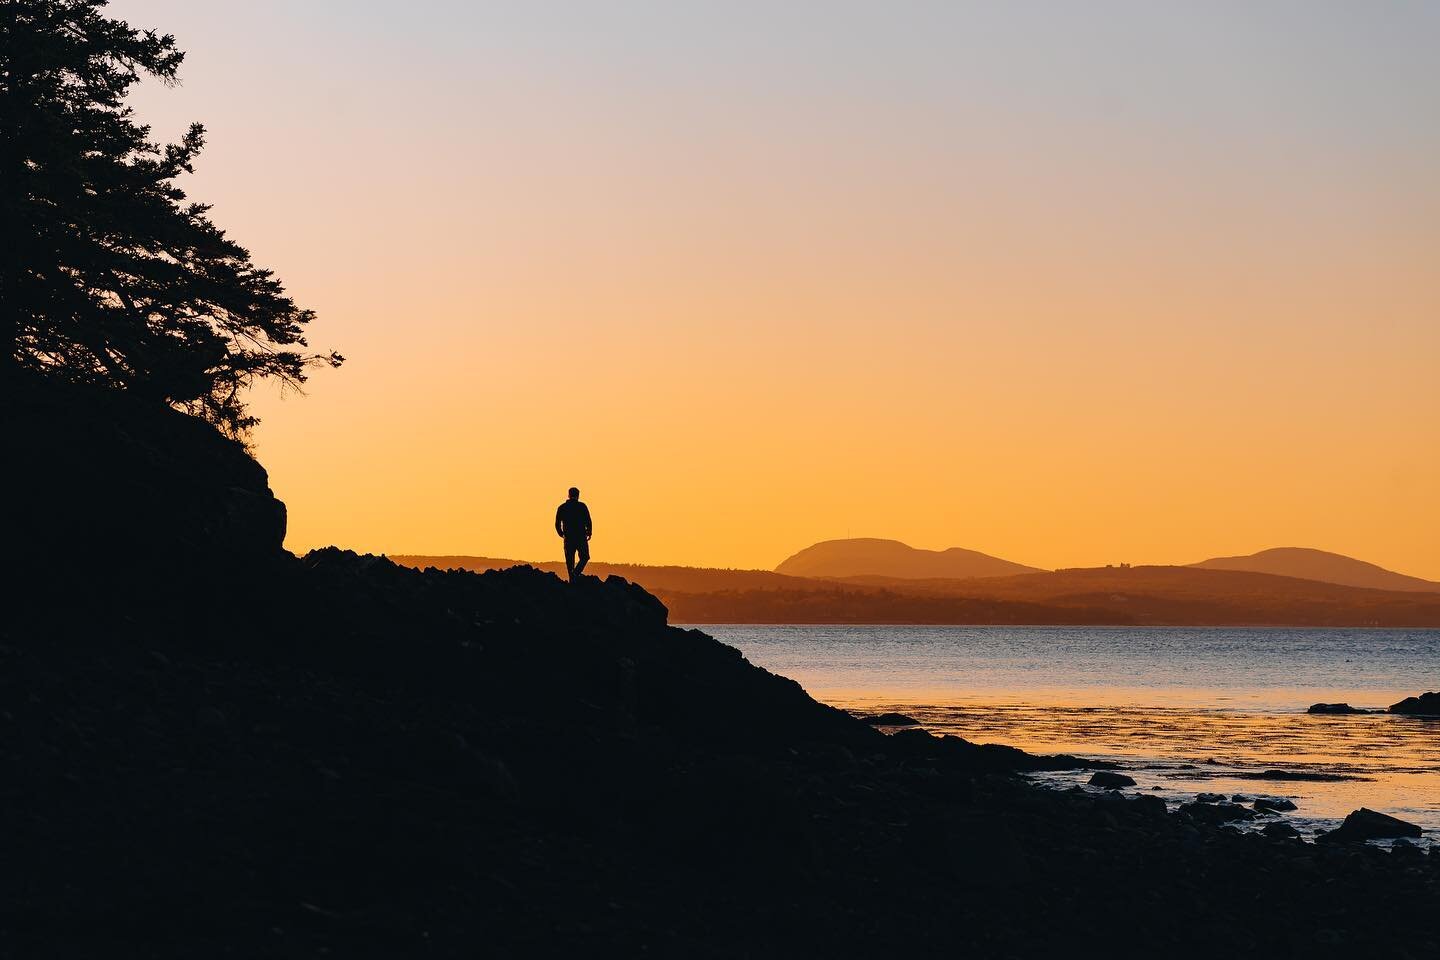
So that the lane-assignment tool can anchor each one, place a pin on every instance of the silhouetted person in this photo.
(572, 523)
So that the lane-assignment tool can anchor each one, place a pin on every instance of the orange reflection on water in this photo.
(1179, 743)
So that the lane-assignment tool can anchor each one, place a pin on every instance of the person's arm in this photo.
(589, 527)
(560, 520)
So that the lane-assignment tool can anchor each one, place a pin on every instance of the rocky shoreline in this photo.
(504, 760)
(1424, 705)
(212, 747)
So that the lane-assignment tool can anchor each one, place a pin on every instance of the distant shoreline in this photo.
(1100, 597)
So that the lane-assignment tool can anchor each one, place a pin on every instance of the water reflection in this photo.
(1389, 763)
(1185, 710)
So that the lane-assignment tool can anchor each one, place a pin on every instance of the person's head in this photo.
(574, 493)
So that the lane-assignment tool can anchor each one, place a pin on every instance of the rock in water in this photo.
(1334, 708)
(1427, 704)
(1111, 780)
(1367, 824)
(1216, 813)
(1282, 805)
(1305, 775)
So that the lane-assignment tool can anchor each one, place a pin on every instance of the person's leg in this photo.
(570, 559)
(584, 547)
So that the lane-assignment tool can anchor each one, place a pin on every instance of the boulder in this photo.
(1403, 845)
(1266, 805)
(1149, 805)
(1110, 780)
(1366, 824)
(1280, 830)
(1427, 704)
(1210, 798)
(1334, 708)
(1216, 813)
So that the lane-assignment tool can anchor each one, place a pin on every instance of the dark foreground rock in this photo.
(888, 720)
(1336, 708)
(1266, 805)
(1111, 780)
(1365, 824)
(104, 482)
(255, 755)
(1427, 704)
(1280, 830)
(1215, 813)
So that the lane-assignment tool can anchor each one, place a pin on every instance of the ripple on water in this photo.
(1185, 710)
(1328, 769)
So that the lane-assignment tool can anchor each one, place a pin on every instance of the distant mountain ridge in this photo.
(875, 557)
(1150, 596)
(1306, 563)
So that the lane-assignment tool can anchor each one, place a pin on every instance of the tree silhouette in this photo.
(109, 275)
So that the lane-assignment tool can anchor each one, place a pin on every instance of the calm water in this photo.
(1185, 710)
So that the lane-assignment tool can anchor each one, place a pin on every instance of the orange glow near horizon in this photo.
(1150, 294)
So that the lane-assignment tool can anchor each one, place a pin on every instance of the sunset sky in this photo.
(1067, 283)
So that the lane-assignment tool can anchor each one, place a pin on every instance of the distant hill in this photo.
(1145, 596)
(1308, 564)
(871, 557)
(1190, 596)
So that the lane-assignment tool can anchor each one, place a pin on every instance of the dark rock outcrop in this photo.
(1215, 813)
(114, 483)
(1335, 708)
(1267, 805)
(1366, 824)
(1298, 776)
(888, 720)
(1111, 780)
(917, 743)
(1150, 805)
(1426, 704)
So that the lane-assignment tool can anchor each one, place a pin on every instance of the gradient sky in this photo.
(1071, 284)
